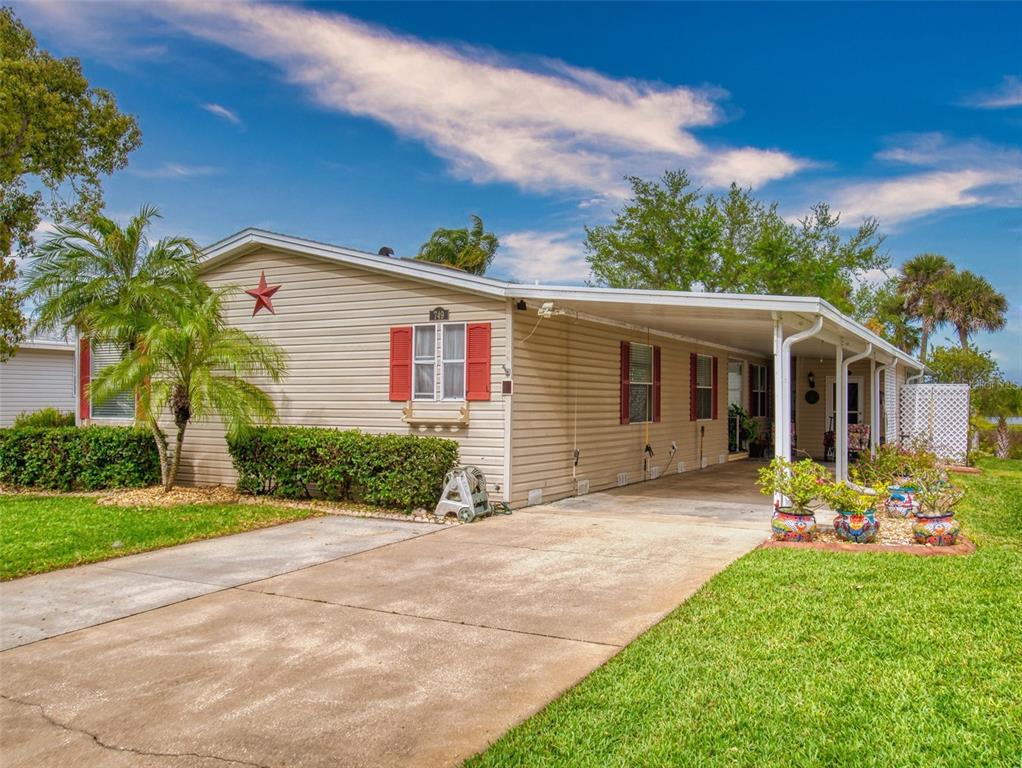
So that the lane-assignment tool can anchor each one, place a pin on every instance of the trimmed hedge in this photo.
(399, 471)
(78, 458)
(44, 417)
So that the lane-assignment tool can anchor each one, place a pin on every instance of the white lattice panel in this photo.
(890, 404)
(935, 416)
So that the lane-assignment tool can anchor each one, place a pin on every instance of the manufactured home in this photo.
(552, 391)
(41, 374)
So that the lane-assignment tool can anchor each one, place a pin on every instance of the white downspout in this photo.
(840, 394)
(842, 455)
(874, 410)
(782, 388)
(789, 342)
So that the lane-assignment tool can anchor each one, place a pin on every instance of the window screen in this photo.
(120, 406)
(640, 382)
(704, 387)
(454, 362)
(424, 358)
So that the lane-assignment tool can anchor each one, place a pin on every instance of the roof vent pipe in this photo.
(385, 251)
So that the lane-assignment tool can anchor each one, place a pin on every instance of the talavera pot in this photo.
(901, 501)
(789, 525)
(938, 530)
(856, 527)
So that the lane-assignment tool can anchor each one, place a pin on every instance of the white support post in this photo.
(840, 393)
(874, 412)
(842, 455)
(778, 388)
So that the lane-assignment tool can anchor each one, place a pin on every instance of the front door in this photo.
(735, 390)
(855, 412)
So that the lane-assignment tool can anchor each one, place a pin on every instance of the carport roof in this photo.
(739, 322)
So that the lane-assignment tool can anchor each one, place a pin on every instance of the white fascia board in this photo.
(867, 336)
(57, 346)
(726, 301)
(237, 244)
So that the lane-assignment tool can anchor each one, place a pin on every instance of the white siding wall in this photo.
(333, 320)
(567, 394)
(34, 379)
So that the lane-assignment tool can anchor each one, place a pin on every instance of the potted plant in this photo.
(856, 512)
(935, 520)
(891, 469)
(797, 488)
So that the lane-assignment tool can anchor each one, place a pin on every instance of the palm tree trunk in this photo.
(963, 336)
(1002, 438)
(161, 449)
(924, 337)
(168, 482)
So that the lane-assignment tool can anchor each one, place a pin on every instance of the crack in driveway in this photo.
(116, 748)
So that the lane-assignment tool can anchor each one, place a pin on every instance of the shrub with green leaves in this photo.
(78, 458)
(45, 417)
(843, 497)
(802, 483)
(399, 471)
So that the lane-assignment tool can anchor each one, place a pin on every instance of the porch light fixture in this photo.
(812, 381)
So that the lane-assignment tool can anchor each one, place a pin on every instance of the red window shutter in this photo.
(84, 370)
(715, 387)
(477, 361)
(625, 359)
(693, 366)
(401, 363)
(656, 383)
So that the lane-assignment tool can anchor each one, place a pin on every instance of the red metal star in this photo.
(262, 295)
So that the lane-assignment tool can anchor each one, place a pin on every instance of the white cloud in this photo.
(1007, 94)
(542, 125)
(546, 257)
(223, 112)
(951, 174)
(175, 171)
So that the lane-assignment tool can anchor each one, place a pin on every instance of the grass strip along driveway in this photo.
(43, 533)
(808, 658)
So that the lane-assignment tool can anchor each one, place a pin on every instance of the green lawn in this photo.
(806, 658)
(42, 533)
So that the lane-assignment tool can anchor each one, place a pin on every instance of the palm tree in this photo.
(470, 248)
(191, 363)
(92, 267)
(1000, 399)
(972, 304)
(919, 287)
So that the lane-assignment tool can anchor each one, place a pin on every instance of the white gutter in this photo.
(874, 408)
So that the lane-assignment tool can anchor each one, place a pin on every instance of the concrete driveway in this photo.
(420, 652)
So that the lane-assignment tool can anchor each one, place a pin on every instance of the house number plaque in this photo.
(440, 313)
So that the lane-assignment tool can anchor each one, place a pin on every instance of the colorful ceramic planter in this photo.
(901, 501)
(787, 525)
(938, 530)
(856, 527)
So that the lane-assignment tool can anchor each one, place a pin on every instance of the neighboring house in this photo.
(551, 391)
(41, 374)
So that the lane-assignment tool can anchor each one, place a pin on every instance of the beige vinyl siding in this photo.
(567, 383)
(34, 379)
(812, 420)
(334, 321)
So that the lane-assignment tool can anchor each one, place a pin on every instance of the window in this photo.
(453, 348)
(704, 387)
(640, 383)
(424, 360)
(439, 348)
(758, 384)
(120, 406)
(734, 383)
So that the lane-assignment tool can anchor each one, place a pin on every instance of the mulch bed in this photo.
(894, 535)
(155, 496)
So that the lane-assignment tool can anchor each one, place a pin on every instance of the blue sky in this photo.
(371, 124)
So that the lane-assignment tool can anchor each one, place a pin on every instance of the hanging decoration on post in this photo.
(263, 295)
